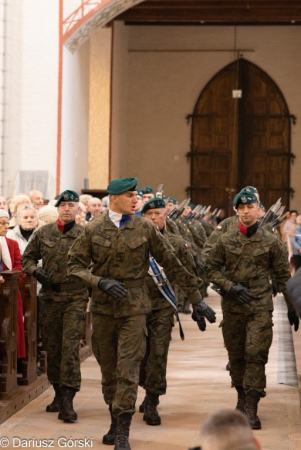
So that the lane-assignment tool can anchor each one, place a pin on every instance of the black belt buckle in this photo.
(245, 284)
(56, 287)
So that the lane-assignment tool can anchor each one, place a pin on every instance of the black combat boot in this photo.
(142, 406)
(241, 399)
(55, 405)
(66, 407)
(109, 438)
(122, 432)
(151, 415)
(252, 400)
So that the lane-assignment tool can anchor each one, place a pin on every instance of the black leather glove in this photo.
(201, 309)
(200, 320)
(199, 263)
(293, 319)
(241, 293)
(41, 276)
(112, 287)
(275, 288)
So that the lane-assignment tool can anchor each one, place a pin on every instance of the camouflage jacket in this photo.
(247, 260)
(51, 245)
(123, 254)
(198, 232)
(183, 254)
(187, 236)
(225, 225)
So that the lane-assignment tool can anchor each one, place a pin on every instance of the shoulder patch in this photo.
(219, 228)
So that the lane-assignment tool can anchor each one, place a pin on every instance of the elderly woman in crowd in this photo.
(296, 244)
(10, 259)
(80, 217)
(26, 224)
(47, 214)
(16, 203)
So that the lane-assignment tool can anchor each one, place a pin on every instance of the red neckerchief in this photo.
(60, 225)
(242, 228)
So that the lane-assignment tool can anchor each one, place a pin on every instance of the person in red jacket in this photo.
(10, 259)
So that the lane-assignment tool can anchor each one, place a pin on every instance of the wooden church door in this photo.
(237, 142)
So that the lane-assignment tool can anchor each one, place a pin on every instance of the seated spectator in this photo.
(3, 203)
(15, 204)
(37, 198)
(80, 217)
(293, 287)
(84, 198)
(290, 224)
(228, 430)
(296, 244)
(94, 207)
(26, 224)
(105, 203)
(47, 214)
(10, 259)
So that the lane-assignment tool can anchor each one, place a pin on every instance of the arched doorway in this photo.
(237, 142)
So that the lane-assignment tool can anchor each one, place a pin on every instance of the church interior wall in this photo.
(120, 86)
(75, 118)
(99, 108)
(32, 90)
(163, 87)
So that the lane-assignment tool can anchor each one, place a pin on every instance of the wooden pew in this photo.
(28, 290)
(8, 338)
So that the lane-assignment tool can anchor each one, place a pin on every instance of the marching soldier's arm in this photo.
(214, 264)
(32, 254)
(209, 244)
(79, 259)
(281, 270)
(174, 269)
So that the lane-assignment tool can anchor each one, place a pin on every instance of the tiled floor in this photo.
(198, 385)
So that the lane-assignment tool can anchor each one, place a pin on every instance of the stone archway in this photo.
(92, 14)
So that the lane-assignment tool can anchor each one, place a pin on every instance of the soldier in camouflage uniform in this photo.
(118, 244)
(249, 254)
(160, 320)
(62, 302)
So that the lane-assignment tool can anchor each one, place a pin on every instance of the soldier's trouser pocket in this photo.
(161, 323)
(259, 338)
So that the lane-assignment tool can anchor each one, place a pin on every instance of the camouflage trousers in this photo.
(248, 339)
(153, 367)
(119, 347)
(62, 327)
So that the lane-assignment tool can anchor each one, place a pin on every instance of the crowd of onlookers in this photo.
(291, 235)
(27, 212)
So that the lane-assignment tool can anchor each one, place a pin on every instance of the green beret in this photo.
(192, 205)
(250, 190)
(147, 190)
(121, 185)
(244, 198)
(172, 200)
(67, 196)
(261, 205)
(139, 192)
(153, 203)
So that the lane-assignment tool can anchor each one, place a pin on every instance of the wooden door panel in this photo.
(236, 143)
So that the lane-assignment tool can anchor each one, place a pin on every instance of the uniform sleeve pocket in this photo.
(260, 253)
(235, 251)
(100, 240)
(100, 247)
(134, 243)
(49, 243)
